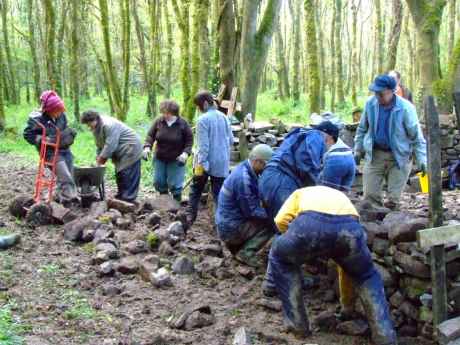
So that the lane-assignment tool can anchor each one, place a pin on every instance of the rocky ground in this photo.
(117, 287)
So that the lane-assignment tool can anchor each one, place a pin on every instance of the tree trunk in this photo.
(113, 86)
(226, 26)
(15, 97)
(154, 14)
(183, 21)
(2, 94)
(205, 61)
(50, 25)
(321, 55)
(282, 69)
(33, 50)
(199, 18)
(379, 35)
(411, 57)
(254, 47)
(394, 34)
(170, 45)
(451, 31)
(354, 58)
(60, 48)
(333, 60)
(312, 57)
(296, 52)
(338, 51)
(75, 62)
(427, 16)
(141, 45)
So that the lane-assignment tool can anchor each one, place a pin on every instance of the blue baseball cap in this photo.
(383, 82)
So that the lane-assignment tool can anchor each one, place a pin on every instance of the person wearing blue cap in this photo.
(388, 135)
(242, 223)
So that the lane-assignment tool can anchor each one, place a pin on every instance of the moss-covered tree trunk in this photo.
(427, 16)
(119, 100)
(11, 73)
(379, 36)
(354, 56)
(2, 94)
(283, 75)
(199, 19)
(451, 31)
(226, 28)
(169, 50)
(50, 44)
(60, 47)
(182, 10)
(397, 17)
(312, 57)
(141, 44)
(205, 50)
(333, 60)
(254, 47)
(296, 52)
(154, 12)
(75, 61)
(321, 55)
(338, 51)
(33, 50)
(411, 57)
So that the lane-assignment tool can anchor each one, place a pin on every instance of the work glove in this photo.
(182, 158)
(358, 156)
(101, 160)
(198, 170)
(146, 153)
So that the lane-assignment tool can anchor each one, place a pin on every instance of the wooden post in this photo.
(438, 263)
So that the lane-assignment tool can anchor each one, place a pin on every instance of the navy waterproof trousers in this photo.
(342, 239)
(128, 181)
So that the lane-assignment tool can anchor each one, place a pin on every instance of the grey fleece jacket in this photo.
(117, 141)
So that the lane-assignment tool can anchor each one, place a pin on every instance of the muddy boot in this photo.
(268, 289)
(8, 241)
(376, 308)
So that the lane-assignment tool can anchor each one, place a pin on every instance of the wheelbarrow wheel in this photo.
(39, 214)
(19, 206)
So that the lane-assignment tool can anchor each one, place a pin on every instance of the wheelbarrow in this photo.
(89, 180)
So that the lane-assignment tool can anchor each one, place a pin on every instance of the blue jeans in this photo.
(339, 172)
(169, 176)
(342, 239)
(128, 181)
(197, 188)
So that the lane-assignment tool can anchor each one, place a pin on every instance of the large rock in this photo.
(122, 206)
(19, 205)
(104, 252)
(136, 247)
(373, 231)
(412, 266)
(161, 278)
(73, 230)
(193, 317)
(128, 265)
(380, 246)
(97, 209)
(176, 229)
(371, 213)
(161, 203)
(413, 287)
(387, 277)
(154, 219)
(353, 327)
(61, 214)
(183, 265)
(449, 331)
(148, 266)
(242, 337)
(409, 310)
(403, 226)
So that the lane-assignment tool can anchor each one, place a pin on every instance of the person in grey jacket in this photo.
(117, 141)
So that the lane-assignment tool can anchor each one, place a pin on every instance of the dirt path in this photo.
(57, 297)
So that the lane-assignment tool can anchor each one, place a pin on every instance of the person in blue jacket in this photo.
(242, 222)
(339, 167)
(296, 164)
(388, 136)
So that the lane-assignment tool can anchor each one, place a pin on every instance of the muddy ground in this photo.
(57, 295)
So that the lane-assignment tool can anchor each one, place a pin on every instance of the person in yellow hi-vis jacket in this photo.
(322, 222)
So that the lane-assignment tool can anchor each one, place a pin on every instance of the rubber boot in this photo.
(8, 241)
(375, 305)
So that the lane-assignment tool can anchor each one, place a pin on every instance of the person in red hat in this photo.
(51, 115)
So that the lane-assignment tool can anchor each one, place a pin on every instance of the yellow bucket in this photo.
(424, 184)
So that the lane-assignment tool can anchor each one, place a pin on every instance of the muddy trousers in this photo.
(128, 181)
(245, 242)
(342, 239)
(66, 189)
(197, 188)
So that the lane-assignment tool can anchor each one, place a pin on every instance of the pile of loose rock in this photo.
(405, 268)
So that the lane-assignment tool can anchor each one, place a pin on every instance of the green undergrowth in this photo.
(11, 328)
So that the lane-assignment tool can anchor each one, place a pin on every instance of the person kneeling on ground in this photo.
(339, 167)
(117, 141)
(174, 141)
(52, 116)
(322, 222)
(242, 222)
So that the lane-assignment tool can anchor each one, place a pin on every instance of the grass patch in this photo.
(11, 330)
(79, 307)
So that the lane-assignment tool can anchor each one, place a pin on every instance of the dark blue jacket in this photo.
(300, 154)
(33, 132)
(238, 201)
